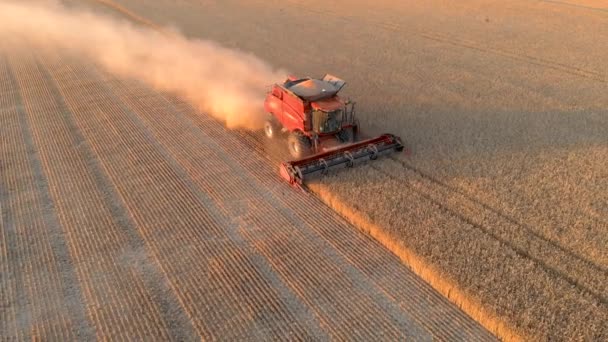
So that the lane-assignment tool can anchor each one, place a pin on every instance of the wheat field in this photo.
(502, 204)
(501, 207)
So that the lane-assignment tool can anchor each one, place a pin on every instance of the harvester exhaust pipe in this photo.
(295, 172)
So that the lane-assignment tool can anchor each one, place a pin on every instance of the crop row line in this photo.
(110, 290)
(41, 277)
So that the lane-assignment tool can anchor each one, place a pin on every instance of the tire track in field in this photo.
(463, 43)
(325, 224)
(591, 266)
(473, 45)
(575, 5)
(33, 313)
(151, 107)
(220, 286)
(110, 290)
(548, 255)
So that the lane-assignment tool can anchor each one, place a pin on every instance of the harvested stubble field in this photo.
(128, 215)
(503, 206)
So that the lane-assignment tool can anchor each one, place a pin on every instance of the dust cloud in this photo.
(226, 83)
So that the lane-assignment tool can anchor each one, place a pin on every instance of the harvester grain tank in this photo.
(323, 129)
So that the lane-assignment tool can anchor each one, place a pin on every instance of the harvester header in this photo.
(297, 171)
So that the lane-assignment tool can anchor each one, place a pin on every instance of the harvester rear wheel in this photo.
(299, 145)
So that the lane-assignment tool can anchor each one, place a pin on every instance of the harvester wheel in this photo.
(299, 145)
(271, 128)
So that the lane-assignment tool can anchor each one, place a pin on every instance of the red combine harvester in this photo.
(322, 127)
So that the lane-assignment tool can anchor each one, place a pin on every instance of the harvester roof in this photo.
(311, 89)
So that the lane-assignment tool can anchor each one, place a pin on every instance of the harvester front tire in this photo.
(271, 129)
(299, 145)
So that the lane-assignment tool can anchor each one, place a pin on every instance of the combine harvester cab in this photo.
(322, 128)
